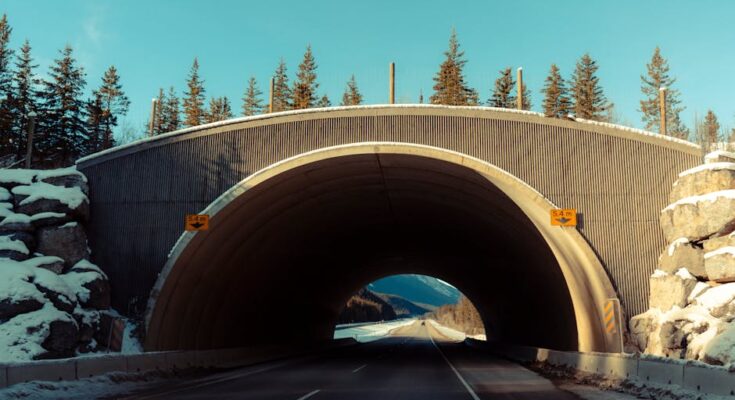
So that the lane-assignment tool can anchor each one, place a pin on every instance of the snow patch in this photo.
(53, 173)
(15, 218)
(69, 225)
(727, 250)
(44, 215)
(7, 243)
(659, 273)
(369, 333)
(5, 194)
(722, 347)
(447, 332)
(716, 297)
(71, 196)
(683, 273)
(17, 176)
(676, 243)
(16, 282)
(715, 166)
(695, 200)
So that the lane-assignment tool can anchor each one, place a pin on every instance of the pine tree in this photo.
(194, 112)
(219, 109)
(658, 77)
(450, 87)
(556, 96)
(170, 119)
(159, 114)
(281, 90)
(63, 123)
(526, 97)
(708, 131)
(95, 123)
(352, 96)
(26, 95)
(252, 104)
(114, 104)
(589, 99)
(305, 86)
(503, 96)
(7, 145)
(324, 102)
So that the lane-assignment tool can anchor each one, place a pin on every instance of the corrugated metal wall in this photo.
(619, 181)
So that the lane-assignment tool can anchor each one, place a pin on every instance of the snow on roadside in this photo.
(449, 333)
(369, 333)
(112, 385)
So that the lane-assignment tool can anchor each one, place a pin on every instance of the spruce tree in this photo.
(64, 121)
(95, 123)
(450, 87)
(421, 96)
(281, 90)
(251, 103)
(503, 95)
(352, 96)
(171, 120)
(556, 96)
(7, 145)
(219, 109)
(305, 85)
(159, 114)
(26, 94)
(588, 97)
(657, 76)
(194, 112)
(114, 105)
(708, 131)
(324, 102)
(526, 97)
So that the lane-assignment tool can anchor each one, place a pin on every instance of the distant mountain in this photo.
(405, 308)
(418, 289)
(366, 306)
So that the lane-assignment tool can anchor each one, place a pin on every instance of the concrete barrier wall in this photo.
(692, 375)
(86, 367)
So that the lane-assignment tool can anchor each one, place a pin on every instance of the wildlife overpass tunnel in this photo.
(308, 206)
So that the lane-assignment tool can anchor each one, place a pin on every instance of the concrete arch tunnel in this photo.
(311, 230)
(469, 185)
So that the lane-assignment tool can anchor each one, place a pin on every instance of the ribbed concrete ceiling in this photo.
(282, 258)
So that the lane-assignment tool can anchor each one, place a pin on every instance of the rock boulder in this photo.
(700, 217)
(669, 290)
(683, 254)
(720, 264)
(704, 179)
(68, 242)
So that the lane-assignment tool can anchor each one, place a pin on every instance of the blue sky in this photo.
(152, 43)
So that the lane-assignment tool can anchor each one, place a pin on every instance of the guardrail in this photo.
(691, 375)
(86, 367)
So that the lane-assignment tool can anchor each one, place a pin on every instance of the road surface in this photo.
(416, 362)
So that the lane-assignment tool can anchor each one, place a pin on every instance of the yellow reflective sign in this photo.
(564, 217)
(197, 222)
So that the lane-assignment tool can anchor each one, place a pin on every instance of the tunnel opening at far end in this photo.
(403, 305)
(289, 245)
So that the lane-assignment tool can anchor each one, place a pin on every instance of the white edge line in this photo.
(306, 396)
(359, 368)
(461, 379)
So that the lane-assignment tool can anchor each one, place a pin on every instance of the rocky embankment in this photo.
(692, 293)
(53, 301)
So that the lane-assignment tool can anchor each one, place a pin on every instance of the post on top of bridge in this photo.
(662, 105)
(270, 97)
(392, 84)
(151, 124)
(519, 99)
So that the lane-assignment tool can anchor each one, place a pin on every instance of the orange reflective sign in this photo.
(564, 217)
(197, 222)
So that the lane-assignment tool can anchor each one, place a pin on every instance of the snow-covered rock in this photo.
(683, 254)
(12, 248)
(718, 301)
(90, 285)
(721, 349)
(67, 177)
(41, 197)
(43, 333)
(720, 264)
(719, 156)
(14, 222)
(18, 294)
(51, 263)
(704, 179)
(68, 242)
(700, 217)
(669, 290)
(45, 219)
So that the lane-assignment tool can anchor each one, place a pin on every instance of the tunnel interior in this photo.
(283, 256)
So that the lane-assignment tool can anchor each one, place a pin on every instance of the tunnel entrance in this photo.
(386, 306)
(288, 245)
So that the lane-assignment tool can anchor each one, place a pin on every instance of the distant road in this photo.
(417, 362)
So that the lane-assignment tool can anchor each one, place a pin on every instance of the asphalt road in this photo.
(415, 363)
